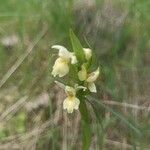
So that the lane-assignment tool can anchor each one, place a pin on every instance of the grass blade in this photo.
(115, 113)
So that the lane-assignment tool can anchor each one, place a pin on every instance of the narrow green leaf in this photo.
(115, 113)
(77, 47)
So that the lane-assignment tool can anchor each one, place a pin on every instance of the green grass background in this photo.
(119, 34)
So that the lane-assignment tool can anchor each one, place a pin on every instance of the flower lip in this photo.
(71, 103)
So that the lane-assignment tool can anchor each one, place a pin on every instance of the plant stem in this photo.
(85, 122)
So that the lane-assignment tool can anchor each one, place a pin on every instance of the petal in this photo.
(78, 87)
(70, 111)
(66, 103)
(70, 91)
(60, 67)
(76, 103)
(63, 52)
(92, 87)
(82, 74)
(61, 85)
(93, 76)
(88, 53)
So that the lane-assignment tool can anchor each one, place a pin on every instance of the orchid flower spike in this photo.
(61, 65)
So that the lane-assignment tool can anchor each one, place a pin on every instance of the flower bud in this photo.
(82, 74)
(73, 58)
(88, 53)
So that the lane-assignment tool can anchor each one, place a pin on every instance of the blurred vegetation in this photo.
(119, 34)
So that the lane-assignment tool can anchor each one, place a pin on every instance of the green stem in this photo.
(85, 122)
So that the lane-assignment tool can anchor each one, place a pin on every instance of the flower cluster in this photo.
(85, 80)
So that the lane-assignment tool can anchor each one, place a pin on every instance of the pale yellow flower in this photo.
(90, 79)
(71, 102)
(61, 65)
(60, 68)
